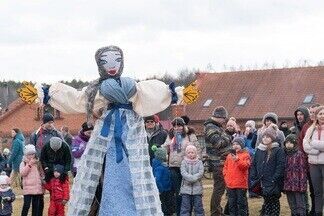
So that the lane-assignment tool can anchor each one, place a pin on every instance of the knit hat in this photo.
(29, 149)
(186, 119)
(6, 151)
(220, 112)
(59, 168)
(178, 121)
(191, 147)
(240, 141)
(270, 132)
(161, 154)
(272, 116)
(56, 143)
(231, 122)
(292, 138)
(148, 118)
(4, 179)
(47, 117)
(85, 127)
(250, 123)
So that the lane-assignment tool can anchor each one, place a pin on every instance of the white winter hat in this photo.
(6, 151)
(30, 149)
(4, 179)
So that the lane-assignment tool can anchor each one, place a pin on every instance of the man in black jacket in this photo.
(156, 135)
(56, 151)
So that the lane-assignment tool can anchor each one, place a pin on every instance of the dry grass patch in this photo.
(254, 204)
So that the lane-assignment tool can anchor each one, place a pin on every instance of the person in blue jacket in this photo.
(17, 153)
(162, 176)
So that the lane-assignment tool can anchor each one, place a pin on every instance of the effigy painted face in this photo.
(110, 61)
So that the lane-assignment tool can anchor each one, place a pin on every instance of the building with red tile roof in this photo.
(250, 94)
(29, 117)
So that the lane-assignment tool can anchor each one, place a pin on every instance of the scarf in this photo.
(177, 141)
(191, 161)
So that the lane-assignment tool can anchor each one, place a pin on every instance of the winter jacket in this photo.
(42, 136)
(236, 172)
(162, 175)
(58, 191)
(301, 136)
(250, 140)
(31, 178)
(295, 172)
(6, 205)
(314, 146)
(62, 156)
(3, 164)
(218, 142)
(192, 172)
(175, 157)
(269, 166)
(79, 144)
(157, 138)
(17, 151)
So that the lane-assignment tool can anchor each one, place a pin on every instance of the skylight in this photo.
(207, 103)
(309, 98)
(242, 101)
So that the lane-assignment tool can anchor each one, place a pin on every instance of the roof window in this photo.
(242, 101)
(207, 103)
(308, 99)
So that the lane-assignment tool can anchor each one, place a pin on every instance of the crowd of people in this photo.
(264, 162)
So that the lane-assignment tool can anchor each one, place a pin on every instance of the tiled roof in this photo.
(275, 90)
(21, 115)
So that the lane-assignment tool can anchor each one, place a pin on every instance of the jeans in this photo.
(190, 202)
(296, 201)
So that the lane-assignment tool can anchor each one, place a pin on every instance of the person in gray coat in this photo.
(191, 190)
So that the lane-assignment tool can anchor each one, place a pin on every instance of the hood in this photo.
(305, 111)
(20, 136)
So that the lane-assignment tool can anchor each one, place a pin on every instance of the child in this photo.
(5, 166)
(32, 174)
(236, 171)
(295, 181)
(6, 195)
(59, 190)
(268, 168)
(162, 176)
(191, 190)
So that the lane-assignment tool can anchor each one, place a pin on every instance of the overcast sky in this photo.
(56, 40)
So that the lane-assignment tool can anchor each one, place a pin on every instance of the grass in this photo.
(254, 204)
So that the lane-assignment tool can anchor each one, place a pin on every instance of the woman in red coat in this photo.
(59, 190)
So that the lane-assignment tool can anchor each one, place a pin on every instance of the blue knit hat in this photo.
(59, 168)
(240, 141)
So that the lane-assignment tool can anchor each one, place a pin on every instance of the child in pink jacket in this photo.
(32, 175)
